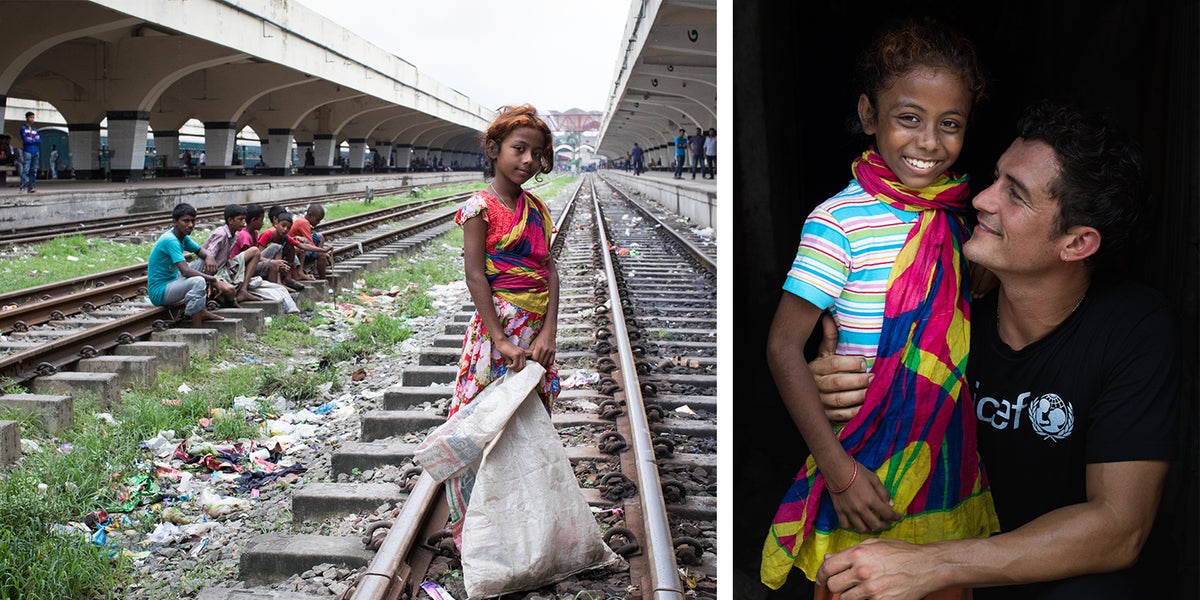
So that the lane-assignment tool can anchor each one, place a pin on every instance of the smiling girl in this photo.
(884, 257)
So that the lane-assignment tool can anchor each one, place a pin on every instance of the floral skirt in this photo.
(481, 364)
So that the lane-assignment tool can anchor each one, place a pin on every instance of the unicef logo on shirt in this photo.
(1052, 417)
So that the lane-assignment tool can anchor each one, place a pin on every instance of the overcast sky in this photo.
(554, 54)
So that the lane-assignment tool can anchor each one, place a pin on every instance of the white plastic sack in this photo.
(273, 291)
(526, 524)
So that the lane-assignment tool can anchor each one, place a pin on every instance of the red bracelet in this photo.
(853, 475)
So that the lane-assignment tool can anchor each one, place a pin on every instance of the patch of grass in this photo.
(347, 209)
(369, 337)
(52, 261)
(411, 277)
(297, 385)
(289, 331)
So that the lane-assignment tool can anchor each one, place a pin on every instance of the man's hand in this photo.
(842, 380)
(210, 265)
(880, 569)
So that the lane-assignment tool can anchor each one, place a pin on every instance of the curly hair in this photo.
(509, 119)
(912, 44)
(1101, 181)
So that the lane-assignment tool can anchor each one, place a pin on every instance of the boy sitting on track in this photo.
(169, 278)
(270, 268)
(220, 260)
(319, 257)
(276, 242)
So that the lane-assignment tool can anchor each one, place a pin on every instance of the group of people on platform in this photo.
(238, 261)
(26, 155)
(703, 151)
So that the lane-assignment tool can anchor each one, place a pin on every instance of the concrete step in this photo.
(201, 342)
(131, 371)
(255, 594)
(10, 442)
(74, 384)
(274, 557)
(171, 355)
(382, 424)
(253, 319)
(55, 413)
(319, 501)
(402, 397)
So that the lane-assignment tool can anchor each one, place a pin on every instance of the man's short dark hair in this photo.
(1101, 181)
(234, 210)
(29, 114)
(181, 210)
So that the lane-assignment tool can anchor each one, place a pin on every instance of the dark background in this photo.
(792, 65)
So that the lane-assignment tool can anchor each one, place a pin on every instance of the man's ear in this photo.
(1082, 242)
(866, 114)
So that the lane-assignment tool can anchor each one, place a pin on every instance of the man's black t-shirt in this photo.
(1102, 387)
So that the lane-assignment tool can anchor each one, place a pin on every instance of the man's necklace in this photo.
(1073, 309)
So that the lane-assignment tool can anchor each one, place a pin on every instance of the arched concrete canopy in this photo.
(667, 76)
(128, 63)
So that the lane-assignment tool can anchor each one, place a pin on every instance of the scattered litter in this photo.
(216, 505)
(72, 258)
(579, 379)
(436, 591)
(184, 388)
(686, 410)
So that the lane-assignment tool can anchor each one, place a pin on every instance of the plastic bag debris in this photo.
(580, 379)
(436, 591)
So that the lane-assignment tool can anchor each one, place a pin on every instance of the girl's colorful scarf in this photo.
(517, 268)
(916, 429)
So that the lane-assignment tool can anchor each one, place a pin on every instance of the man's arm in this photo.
(1104, 533)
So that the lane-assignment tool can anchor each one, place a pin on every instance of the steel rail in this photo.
(88, 300)
(57, 354)
(664, 572)
(49, 291)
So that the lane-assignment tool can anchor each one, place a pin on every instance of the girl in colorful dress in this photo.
(509, 270)
(884, 256)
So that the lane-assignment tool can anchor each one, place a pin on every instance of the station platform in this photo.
(695, 199)
(59, 201)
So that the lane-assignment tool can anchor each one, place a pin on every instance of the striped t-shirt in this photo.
(847, 249)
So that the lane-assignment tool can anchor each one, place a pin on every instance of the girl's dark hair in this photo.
(912, 44)
(509, 119)
(1101, 175)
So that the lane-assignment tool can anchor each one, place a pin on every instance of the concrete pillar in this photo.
(279, 151)
(403, 156)
(302, 150)
(166, 146)
(219, 140)
(85, 150)
(358, 154)
(127, 131)
(385, 151)
(326, 154)
(420, 153)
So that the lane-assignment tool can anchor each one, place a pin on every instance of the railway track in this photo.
(50, 327)
(150, 221)
(641, 439)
